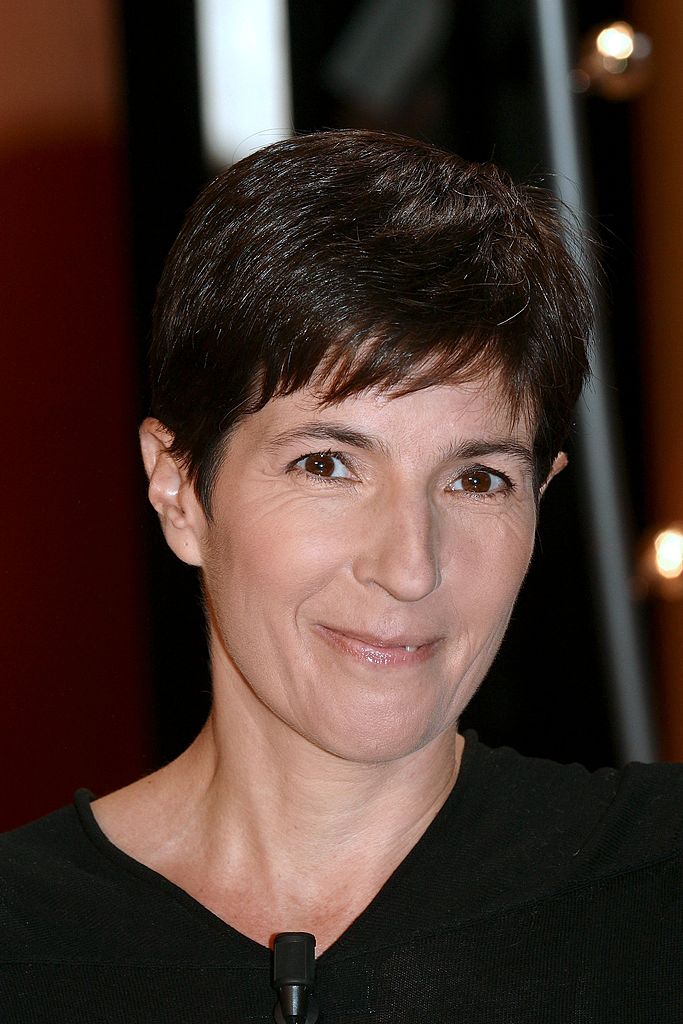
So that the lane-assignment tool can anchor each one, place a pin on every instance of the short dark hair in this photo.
(356, 259)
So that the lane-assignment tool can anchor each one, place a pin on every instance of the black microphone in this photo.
(293, 975)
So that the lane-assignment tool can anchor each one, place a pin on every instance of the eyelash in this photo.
(293, 467)
(503, 492)
(508, 485)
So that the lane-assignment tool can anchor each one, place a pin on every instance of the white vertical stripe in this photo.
(244, 76)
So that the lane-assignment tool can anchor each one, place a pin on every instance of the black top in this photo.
(539, 893)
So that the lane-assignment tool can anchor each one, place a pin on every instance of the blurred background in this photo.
(113, 113)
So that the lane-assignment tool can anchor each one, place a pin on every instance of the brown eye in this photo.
(319, 465)
(478, 482)
(481, 481)
(324, 464)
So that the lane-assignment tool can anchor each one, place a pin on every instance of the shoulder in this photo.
(67, 894)
(572, 820)
(521, 832)
(46, 867)
(46, 847)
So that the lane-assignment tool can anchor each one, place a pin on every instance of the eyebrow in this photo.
(479, 447)
(474, 448)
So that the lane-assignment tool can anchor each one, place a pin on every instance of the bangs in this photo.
(398, 365)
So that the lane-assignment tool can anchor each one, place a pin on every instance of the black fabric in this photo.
(540, 893)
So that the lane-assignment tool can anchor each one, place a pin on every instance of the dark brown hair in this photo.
(355, 259)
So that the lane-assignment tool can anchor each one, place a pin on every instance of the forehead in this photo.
(427, 419)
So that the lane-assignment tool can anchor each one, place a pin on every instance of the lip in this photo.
(382, 652)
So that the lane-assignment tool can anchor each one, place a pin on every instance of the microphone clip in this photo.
(293, 976)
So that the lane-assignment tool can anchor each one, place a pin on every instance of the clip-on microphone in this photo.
(293, 974)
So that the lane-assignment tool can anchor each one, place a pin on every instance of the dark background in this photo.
(546, 692)
(105, 655)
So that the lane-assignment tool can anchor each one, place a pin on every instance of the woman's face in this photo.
(363, 561)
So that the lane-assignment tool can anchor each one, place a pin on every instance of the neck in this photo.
(316, 835)
(289, 798)
(263, 781)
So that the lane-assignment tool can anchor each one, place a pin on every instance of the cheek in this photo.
(265, 563)
(489, 558)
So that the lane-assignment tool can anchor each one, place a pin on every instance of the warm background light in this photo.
(614, 62)
(616, 41)
(659, 563)
(668, 545)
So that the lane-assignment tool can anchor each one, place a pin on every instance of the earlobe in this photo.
(559, 463)
(171, 493)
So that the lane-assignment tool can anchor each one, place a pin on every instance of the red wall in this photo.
(76, 701)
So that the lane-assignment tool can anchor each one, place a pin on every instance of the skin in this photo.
(339, 537)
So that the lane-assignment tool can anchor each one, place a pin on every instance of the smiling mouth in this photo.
(377, 652)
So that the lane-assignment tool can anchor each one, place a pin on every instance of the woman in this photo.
(366, 357)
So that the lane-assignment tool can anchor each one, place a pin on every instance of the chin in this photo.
(374, 740)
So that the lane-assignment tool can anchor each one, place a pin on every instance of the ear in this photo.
(171, 494)
(558, 465)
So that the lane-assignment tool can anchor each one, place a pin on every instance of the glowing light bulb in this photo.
(614, 62)
(668, 546)
(658, 563)
(616, 41)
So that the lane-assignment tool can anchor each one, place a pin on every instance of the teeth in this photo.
(409, 647)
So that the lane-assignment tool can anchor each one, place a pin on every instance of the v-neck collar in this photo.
(357, 936)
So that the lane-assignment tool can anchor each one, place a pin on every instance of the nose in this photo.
(399, 549)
